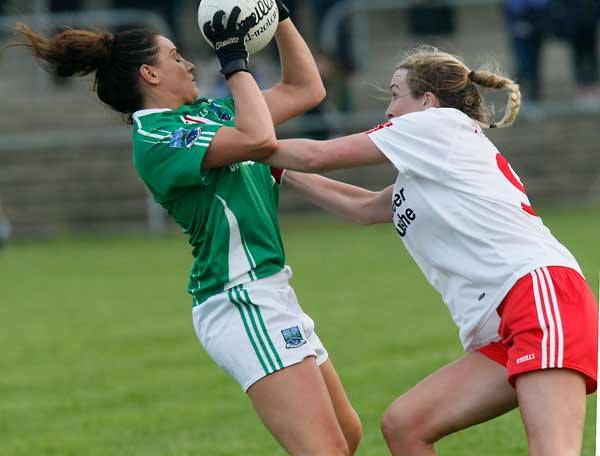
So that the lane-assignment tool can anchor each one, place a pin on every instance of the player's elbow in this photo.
(373, 219)
(309, 94)
(317, 94)
(315, 162)
(364, 217)
(359, 212)
(371, 211)
(319, 157)
(264, 147)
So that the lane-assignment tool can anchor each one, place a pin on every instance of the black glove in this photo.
(284, 12)
(229, 42)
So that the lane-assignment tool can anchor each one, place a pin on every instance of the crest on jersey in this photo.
(293, 337)
(192, 136)
(178, 138)
(220, 113)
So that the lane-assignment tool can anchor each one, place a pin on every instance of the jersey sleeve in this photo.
(173, 155)
(228, 102)
(418, 143)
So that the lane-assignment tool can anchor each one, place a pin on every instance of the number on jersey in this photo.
(512, 177)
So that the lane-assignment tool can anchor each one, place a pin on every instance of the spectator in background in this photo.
(430, 19)
(3, 11)
(526, 21)
(338, 62)
(576, 21)
(63, 6)
(5, 228)
(167, 9)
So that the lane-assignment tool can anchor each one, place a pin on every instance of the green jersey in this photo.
(229, 214)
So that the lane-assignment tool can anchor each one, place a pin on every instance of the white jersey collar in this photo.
(145, 112)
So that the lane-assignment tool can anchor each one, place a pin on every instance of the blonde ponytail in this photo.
(491, 80)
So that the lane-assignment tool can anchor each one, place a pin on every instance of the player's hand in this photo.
(284, 12)
(277, 174)
(228, 40)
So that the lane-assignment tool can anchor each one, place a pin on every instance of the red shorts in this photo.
(549, 319)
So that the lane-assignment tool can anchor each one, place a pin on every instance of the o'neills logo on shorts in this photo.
(529, 357)
(227, 42)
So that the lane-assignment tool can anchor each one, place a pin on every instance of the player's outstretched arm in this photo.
(311, 156)
(301, 87)
(357, 204)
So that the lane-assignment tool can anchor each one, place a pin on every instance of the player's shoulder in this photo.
(149, 122)
(433, 116)
(156, 130)
(429, 124)
(157, 125)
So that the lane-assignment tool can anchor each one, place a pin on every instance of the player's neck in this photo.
(162, 101)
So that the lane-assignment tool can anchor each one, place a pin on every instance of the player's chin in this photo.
(194, 93)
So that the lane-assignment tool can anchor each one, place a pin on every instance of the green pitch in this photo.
(99, 356)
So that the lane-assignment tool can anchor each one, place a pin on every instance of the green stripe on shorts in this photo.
(254, 325)
(248, 332)
(263, 326)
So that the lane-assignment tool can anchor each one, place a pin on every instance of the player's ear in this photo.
(149, 74)
(430, 100)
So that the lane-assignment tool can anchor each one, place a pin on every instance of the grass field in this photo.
(99, 356)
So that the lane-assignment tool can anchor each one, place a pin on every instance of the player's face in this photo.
(403, 101)
(176, 74)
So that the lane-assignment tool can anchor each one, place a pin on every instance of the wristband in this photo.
(277, 174)
(284, 12)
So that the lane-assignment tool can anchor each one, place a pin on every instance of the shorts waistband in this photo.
(280, 278)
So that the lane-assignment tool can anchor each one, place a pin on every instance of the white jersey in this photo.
(463, 215)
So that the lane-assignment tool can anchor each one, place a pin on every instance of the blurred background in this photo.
(98, 353)
(65, 160)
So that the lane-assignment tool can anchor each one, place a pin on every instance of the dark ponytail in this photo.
(115, 59)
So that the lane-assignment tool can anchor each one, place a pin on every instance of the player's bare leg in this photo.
(294, 404)
(552, 404)
(346, 415)
(464, 393)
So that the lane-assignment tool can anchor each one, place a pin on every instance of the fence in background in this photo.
(80, 177)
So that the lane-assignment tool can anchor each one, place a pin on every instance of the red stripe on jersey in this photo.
(528, 209)
(380, 127)
(189, 119)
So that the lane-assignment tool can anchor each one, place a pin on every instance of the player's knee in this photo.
(399, 428)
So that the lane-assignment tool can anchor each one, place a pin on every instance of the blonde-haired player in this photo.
(527, 319)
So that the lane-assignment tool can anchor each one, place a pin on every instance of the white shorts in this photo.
(257, 328)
